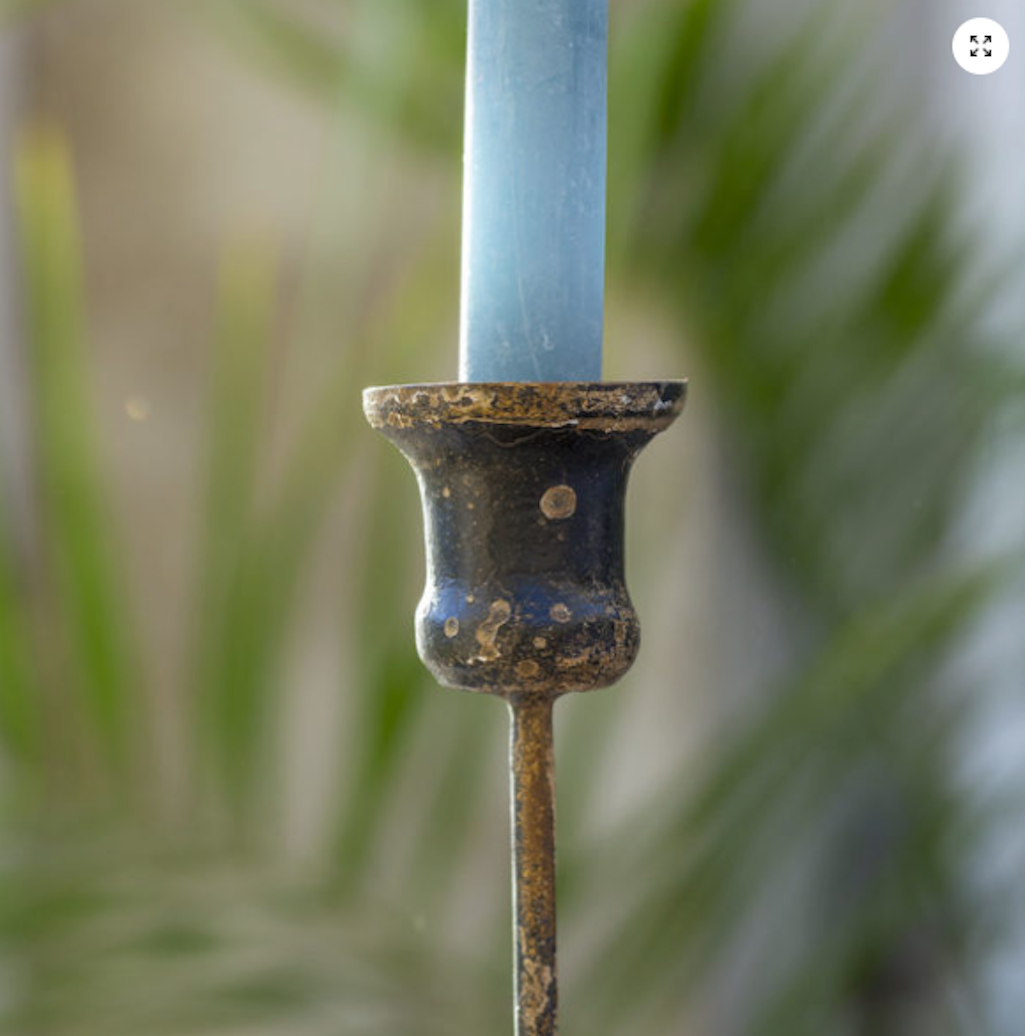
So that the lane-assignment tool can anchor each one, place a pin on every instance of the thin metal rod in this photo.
(532, 759)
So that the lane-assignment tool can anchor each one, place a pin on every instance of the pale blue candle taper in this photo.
(533, 266)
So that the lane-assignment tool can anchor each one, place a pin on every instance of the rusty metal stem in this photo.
(533, 828)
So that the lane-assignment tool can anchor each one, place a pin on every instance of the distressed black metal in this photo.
(523, 490)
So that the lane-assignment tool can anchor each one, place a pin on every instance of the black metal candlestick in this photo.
(523, 488)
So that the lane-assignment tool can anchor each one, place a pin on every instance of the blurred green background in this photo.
(233, 803)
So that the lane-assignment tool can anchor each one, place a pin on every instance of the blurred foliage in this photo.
(814, 876)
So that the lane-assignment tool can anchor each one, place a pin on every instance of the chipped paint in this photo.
(559, 503)
(487, 632)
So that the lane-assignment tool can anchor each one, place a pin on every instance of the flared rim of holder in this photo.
(610, 406)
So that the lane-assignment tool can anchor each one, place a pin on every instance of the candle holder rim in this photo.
(609, 405)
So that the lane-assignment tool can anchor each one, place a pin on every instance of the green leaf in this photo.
(19, 686)
(92, 625)
(231, 684)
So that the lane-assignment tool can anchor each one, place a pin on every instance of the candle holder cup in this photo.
(523, 489)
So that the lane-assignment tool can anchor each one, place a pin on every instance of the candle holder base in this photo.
(523, 488)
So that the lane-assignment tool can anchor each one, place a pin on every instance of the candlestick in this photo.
(523, 490)
(533, 264)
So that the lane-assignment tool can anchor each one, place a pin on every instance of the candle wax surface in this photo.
(533, 265)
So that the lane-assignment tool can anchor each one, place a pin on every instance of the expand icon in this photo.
(981, 46)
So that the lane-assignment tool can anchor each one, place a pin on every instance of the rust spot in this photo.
(527, 668)
(560, 613)
(451, 628)
(540, 643)
(559, 502)
(446, 492)
(536, 985)
(487, 632)
(572, 661)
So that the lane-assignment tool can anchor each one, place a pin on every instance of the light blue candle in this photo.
(534, 191)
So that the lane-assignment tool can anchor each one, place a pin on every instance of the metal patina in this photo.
(523, 488)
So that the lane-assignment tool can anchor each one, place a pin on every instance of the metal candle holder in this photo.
(523, 488)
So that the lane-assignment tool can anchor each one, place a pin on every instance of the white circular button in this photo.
(981, 46)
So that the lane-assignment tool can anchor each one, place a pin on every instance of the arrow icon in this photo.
(975, 53)
(974, 39)
(988, 53)
(988, 39)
